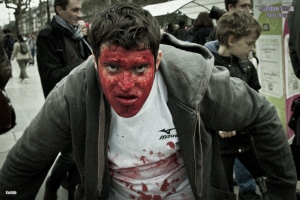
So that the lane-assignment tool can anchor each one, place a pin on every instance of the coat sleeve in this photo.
(28, 162)
(52, 61)
(294, 40)
(14, 53)
(230, 104)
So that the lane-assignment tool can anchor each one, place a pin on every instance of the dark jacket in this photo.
(53, 56)
(294, 39)
(245, 71)
(198, 94)
(200, 33)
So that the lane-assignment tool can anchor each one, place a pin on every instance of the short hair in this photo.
(181, 24)
(233, 2)
(5, 31)
(127, 25)
(203, 19)
(237, 23)
(62, 3)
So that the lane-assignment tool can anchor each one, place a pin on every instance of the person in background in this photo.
(170, 29)
(237, 32)
(8, 42)
(22, 59)
(201, 29)
(84, 28)
(60, 48)
(180, 33)
(142, 115)
(32, 44)
(7, 114)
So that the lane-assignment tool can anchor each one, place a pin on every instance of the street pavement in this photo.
(27, 99)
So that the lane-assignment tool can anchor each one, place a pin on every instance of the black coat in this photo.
(52, 56)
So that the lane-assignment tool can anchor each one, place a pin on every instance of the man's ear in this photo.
(231, 41)
(95, 61)
(58, 9)
(158, 59)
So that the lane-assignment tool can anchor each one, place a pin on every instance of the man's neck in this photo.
(224, 51)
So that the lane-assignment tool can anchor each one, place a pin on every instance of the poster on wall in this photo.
(270, 65)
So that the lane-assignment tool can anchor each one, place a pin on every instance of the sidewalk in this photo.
(27, 99)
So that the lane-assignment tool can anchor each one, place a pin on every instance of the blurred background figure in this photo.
(22, 58)
(201, 29)
(32, 44)
(84, 29)
(8, 42)
(170, 29)
(180, 33)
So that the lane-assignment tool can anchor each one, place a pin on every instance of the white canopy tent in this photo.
(191, 8)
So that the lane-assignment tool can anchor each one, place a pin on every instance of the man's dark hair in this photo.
(203, 19)
(127, 25)
(233, 2)
(181, 24)
(62, 3)
(5, 31)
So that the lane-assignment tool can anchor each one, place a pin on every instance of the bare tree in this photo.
(20, 9)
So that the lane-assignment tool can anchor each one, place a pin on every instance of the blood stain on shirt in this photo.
(144, 187)
(171, 145)
(142, 158)
(166, 184)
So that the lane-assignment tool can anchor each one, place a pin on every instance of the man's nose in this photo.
(79, 14)
(126, 82)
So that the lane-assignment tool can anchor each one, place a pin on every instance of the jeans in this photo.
(243, 178)
(32, 54)
(249, 160)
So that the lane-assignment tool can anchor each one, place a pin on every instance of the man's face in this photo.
(83, 27)
(72, 12)
(242, 47)
(126, 77)
(242, 5)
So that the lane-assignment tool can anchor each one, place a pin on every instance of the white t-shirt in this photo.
(144, 152)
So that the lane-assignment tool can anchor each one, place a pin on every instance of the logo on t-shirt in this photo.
(167, 131)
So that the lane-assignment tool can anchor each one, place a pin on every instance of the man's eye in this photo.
(140, 69)
(112, 68)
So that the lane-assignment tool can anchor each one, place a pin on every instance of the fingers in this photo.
(225, 134)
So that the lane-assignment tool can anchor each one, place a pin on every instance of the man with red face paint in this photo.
(142, 116)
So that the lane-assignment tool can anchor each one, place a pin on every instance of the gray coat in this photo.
(201, 98)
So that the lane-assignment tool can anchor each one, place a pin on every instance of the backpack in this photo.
(9, 43)
(23, 48)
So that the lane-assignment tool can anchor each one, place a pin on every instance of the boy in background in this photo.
(237, 32)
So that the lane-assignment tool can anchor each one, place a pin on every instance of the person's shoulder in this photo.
(48, 30)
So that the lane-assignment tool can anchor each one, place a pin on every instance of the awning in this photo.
(191, 8)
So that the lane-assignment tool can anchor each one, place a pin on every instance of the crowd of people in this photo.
(134, 113)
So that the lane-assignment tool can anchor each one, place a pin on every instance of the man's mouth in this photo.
(127, 99)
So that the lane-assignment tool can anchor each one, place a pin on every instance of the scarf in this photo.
(73, 32)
